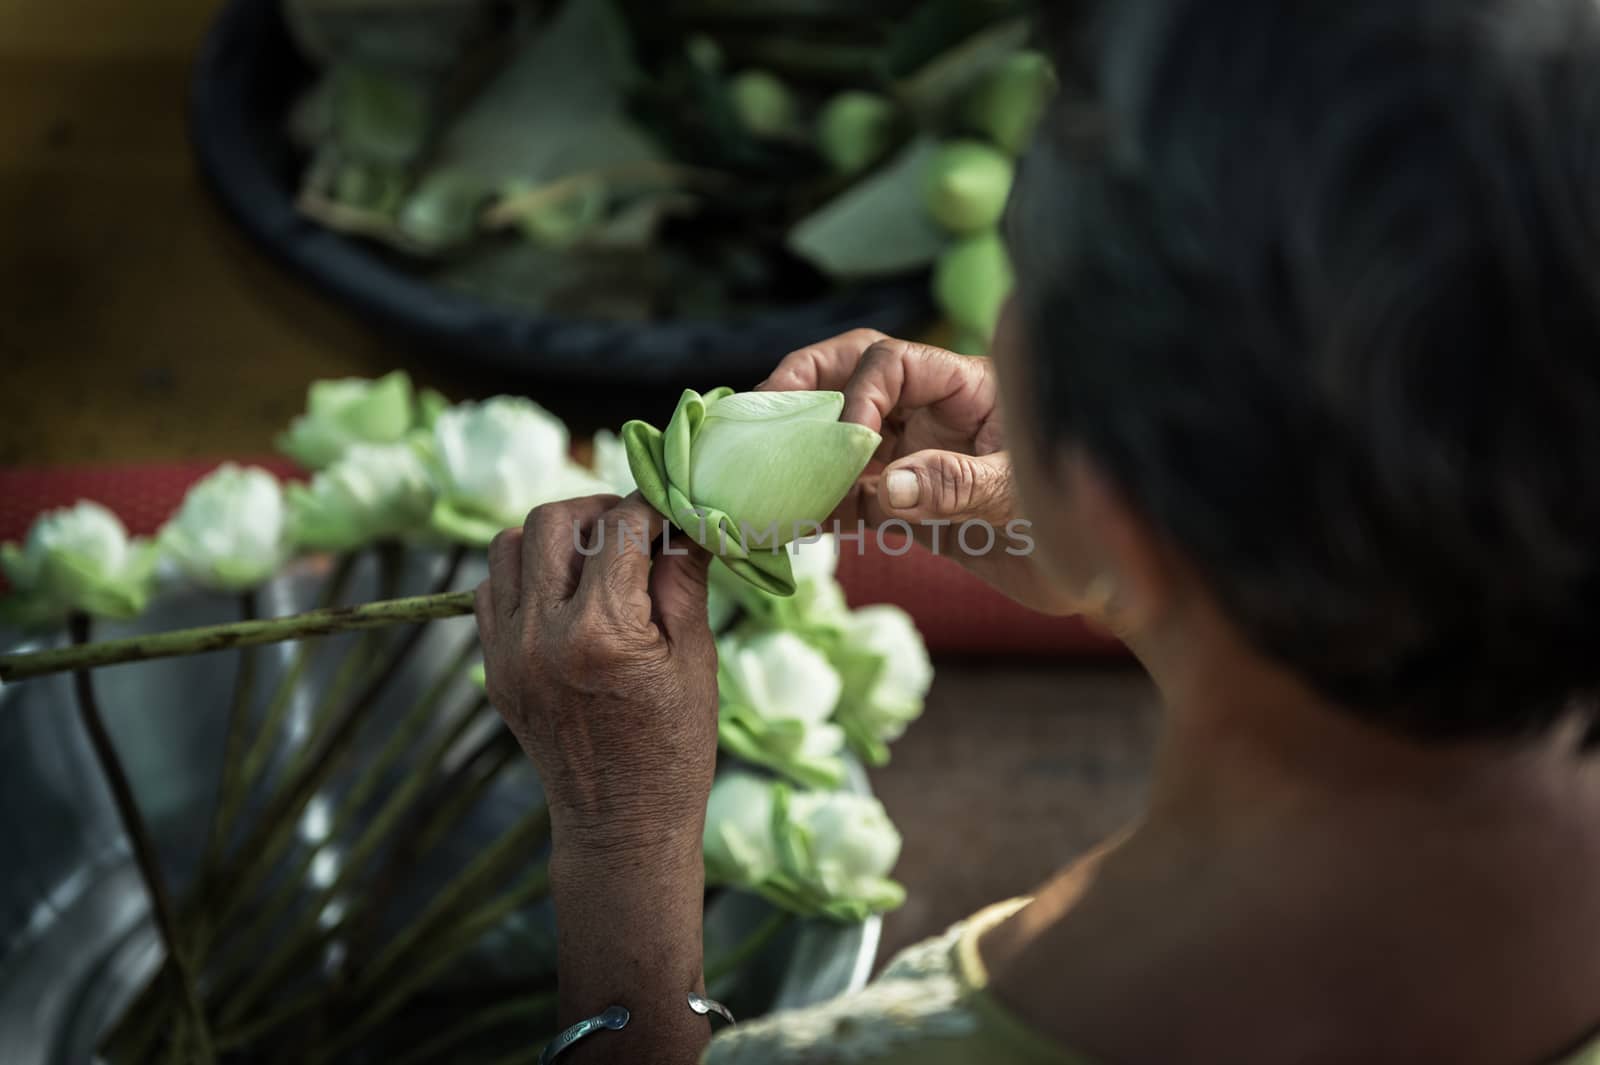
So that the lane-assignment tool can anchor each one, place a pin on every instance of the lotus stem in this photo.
(749, 947)
(408, 611)
(233, 745)
(461, 937)
(310, 931)
(144, 852)
(468, 885)
(315, 764)
(486, 1020)
(241, 782)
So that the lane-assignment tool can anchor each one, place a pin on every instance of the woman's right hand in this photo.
(943, 461)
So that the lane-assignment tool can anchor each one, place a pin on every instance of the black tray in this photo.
(247, 75)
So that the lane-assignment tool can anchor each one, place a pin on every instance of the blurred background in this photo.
(206, 207)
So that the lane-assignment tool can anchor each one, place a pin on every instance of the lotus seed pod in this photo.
(967, 186)
(855, 129)
(1008, 102)
(972, 280)
(763, 103)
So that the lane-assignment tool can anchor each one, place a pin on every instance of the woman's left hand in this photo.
(601, 663)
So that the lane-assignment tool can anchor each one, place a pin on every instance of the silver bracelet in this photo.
(615, 1018)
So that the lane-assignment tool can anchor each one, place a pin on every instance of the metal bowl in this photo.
(246, 78)
(76, 936)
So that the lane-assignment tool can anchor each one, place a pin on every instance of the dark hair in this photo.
(1317, 284)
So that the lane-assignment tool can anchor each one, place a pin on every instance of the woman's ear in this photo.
(1123, 574)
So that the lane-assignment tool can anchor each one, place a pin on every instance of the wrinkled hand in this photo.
(604, 668)
(943, 458)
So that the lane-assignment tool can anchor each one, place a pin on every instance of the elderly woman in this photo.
(1301, 392)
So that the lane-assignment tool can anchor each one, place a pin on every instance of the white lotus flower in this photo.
(495, 461)
(371, 492)
(77, 558)
(352, 411)
(232, 531)
(739, 844)
(887, 673)
(611, 463)
(851, 845)
(818, 854)
(777, 694)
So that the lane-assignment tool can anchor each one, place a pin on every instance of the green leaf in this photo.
(877, 228)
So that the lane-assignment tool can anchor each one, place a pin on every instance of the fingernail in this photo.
(903, 489)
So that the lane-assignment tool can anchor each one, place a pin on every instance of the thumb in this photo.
(945, 486)
(678, 587)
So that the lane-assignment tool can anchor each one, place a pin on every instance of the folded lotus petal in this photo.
(746, 474)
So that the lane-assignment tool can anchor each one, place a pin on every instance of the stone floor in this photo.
(139, 326)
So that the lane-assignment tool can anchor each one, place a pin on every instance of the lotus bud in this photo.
(971, 281)
(562, 222)
(1007, 104)
(495, 461)
(816, 854)
(967, 185)
(442, 210)
(232, 531)
(373, 492)
(704, 52)
(78, 558)
(855, 129)
(764, 104)
(350, 411)
(745, 475)
(776, 694)
(886, 671)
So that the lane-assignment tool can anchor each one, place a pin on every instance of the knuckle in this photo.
(952, 483)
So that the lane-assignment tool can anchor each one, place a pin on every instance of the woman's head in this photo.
(1316, 287)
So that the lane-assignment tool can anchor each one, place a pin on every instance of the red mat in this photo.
(957, 613)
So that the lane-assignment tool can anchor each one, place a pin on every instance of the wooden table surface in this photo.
(140, 326)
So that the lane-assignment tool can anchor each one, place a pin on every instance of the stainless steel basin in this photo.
(76, 939)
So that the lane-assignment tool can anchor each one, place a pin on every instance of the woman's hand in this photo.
(943, 461)
(604, 668)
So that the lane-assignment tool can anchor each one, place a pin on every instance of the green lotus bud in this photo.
(704, 52)
(776, 694)
(745, 475)
(372, 492)
(971, 281)
(353, 410)
(763, 103)
(817, 854)
(442, 210)
(563, 221)
(968, 183)
(1008, 102)
(76, 558)
(232, 531)
(855, 129)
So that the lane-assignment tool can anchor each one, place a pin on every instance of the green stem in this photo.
(313, 766)
(749, 947)
(310, 930)
(242, 782)
(233, 746)
(144, 852)
(447, 947)
(486, 1020)
(469, 885)
(410, 611)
